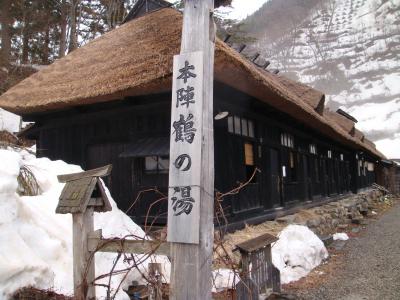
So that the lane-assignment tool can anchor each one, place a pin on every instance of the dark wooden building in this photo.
(110, 102)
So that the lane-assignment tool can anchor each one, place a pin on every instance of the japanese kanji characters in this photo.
(185, 72)
(184, 130)
(183, 203)
(185, 96)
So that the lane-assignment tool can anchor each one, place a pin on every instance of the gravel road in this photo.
(372, 264)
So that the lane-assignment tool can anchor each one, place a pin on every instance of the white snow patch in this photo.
(224, 279)
(389, 147)
(36, 243)
(297, 252)
(9, 121)
(341, 236)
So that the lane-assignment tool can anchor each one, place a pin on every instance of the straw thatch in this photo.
(342, 121)
(358, 135)
(312, 97)
(369, 143)
(136, 59)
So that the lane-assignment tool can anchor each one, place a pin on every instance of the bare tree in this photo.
(73, 36)
(331, 8)
(63, 27)
(5, 21)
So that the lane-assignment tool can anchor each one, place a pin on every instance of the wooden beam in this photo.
(99, 244)
(84, 271)
(99, 172)
(191, 264)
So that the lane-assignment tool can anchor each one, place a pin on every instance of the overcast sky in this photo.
(242, 8)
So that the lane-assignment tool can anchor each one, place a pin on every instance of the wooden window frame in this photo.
(287, 140)
(241, 126)
(158, 170)
(313, 149)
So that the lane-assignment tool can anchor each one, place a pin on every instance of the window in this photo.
(230, 125)
(237, 125)
(371, 167)
(313, 149)
(287, 140)
(341, 157)
(329, 153)
(156, 164)
(291, 160)
(241, 126)
(251, 129)
(249, 161)
(293, 166)
(249, 154)
(245, 132)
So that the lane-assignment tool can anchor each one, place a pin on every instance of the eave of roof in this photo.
(136, 59)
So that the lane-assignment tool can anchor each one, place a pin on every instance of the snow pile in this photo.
(224, 279)
(297, 252)
(9, 121)
(36, 243)
(342, 236)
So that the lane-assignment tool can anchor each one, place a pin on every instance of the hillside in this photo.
(349, 49)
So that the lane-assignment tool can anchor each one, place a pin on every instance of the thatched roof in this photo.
(312, 97)
(359, 135)
(136, 59)
(342, 121)
(369, 143)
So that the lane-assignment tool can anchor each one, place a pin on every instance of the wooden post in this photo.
(191, 263)
(83, 274)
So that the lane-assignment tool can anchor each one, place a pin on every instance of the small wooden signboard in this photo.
(83, 194)
(185, 149)
(82, 190)
(262, 277)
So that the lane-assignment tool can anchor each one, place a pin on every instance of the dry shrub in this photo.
(30, 293)
(27, 183)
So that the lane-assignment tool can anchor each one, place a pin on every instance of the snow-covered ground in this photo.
(8, 121)
(36, 243)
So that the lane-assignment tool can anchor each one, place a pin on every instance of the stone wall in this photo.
(328, 218)
(323, 220)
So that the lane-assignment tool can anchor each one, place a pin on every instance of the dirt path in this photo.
(371, 268)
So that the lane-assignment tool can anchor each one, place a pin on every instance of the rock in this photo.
(359, 221)
(286, 219)
(326, 239)
(314, 222)
(281, 296)
(338, 244)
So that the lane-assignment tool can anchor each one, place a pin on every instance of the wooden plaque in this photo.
(185, 149)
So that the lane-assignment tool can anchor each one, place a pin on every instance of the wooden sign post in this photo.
(185, 149)
(82, 195)
(191, 187)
